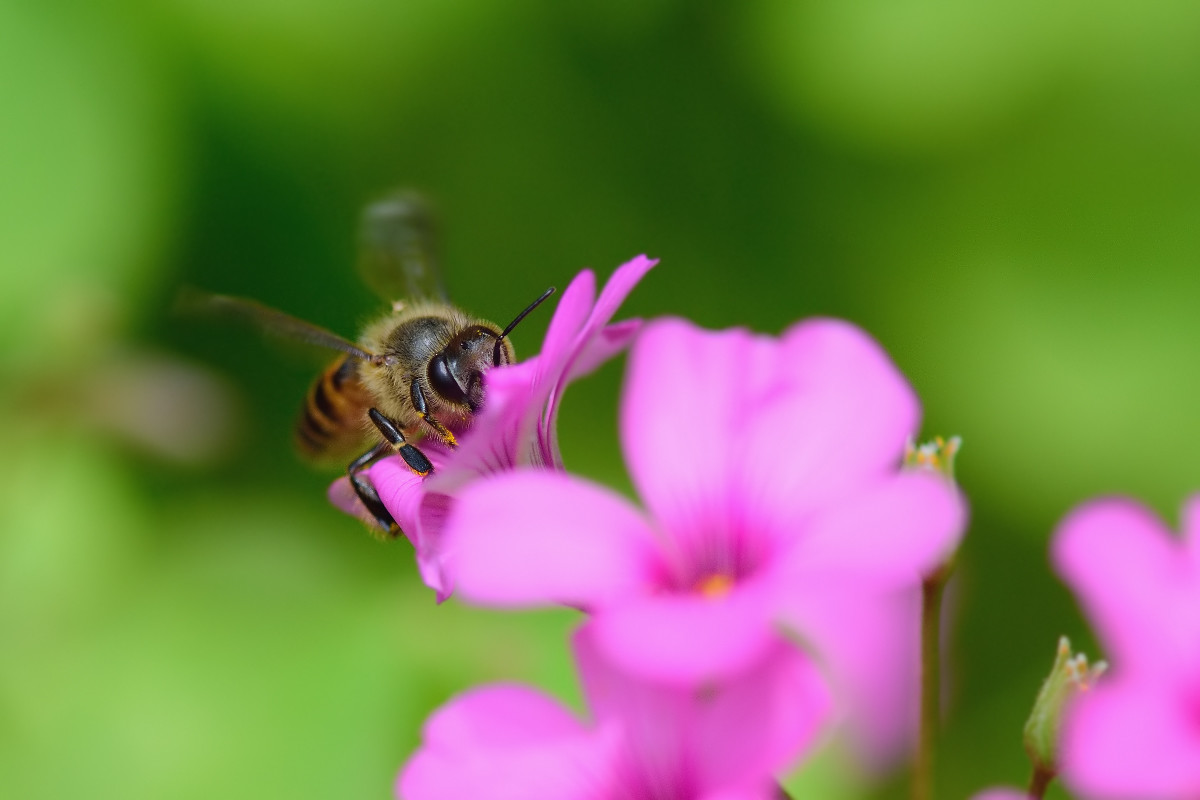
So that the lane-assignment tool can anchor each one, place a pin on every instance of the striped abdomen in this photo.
(332, 425)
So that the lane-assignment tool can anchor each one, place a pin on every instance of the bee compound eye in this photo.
(442, 381)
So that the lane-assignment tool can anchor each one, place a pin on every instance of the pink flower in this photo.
(647, 739)
(1002, 793)
(517, 426)
(770, 473)
(1137, 733)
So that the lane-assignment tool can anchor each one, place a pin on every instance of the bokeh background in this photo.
(1005, 194)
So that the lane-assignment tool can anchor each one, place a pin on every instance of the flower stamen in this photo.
(715, 586)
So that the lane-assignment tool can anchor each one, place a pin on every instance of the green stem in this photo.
(931, 683)
(1039, 781)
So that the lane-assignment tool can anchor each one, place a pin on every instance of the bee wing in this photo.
(266, 319)
(396, 248)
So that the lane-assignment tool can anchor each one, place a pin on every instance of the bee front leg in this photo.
(422, 408)
(366, 492)
(416, 460)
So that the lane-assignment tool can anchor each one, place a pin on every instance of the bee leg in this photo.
(416, 460)
(422, 408)
(366, 492)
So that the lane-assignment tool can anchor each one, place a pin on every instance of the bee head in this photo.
(456, 373)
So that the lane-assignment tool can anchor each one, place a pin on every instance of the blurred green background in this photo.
(1004, 193)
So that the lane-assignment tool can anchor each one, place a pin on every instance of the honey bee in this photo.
(415, 372)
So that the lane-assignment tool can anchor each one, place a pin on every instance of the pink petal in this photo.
(608, 341)
(618, 287)
(432, 559)
(765, 719)
(839, 414)
(401, 491)
(768, 791)
(420, 513)
(500, 713)
(502, 436)
(1001, 793)
(504, 742)
(726, 735)
(343, 497)
(1130, 574)
(1127, 739)
(758, 428)
(893, 533)
(516, 426)
(686, 637)
(685, 401)
(595, 350)
(866, 641)
(532, 537)
(1191, 534)
(570, 315)
(595, 343)
(508, 432)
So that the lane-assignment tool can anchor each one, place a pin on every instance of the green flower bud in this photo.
(935, 456)
(1069, 676)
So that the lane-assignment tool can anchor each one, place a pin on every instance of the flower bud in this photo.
(1069, 676)
(935, 456)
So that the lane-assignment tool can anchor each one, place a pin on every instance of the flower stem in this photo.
(931, 682)
(1039, 781)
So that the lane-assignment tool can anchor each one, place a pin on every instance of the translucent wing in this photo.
(396, 248)
(266, 319)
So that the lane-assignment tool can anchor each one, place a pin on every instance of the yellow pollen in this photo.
(715, 586)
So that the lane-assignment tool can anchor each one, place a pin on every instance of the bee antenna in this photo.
(516, 321)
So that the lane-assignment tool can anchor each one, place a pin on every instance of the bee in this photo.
(415, 372)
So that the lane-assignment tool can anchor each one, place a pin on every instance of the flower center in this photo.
(715, 586)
